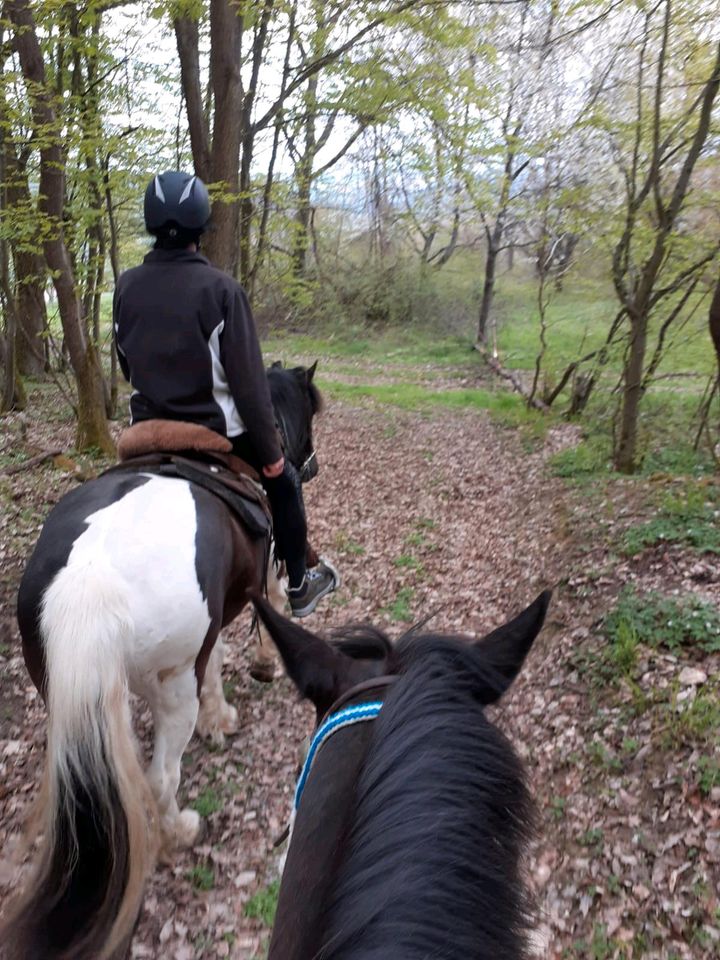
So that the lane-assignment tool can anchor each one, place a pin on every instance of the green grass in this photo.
(662, 621)
(578, 320)
(708, 768)
(402, 346)
(409, 396)
(506, 408)
(558, 807)
(400, 609)
(345, 544)
(623, 650)
(700, 720)
(263, 904)
(664, 442)
(202, 877)
(207, 802)
(691, 518)
(588, 460)
(407, 562)
(593, 837)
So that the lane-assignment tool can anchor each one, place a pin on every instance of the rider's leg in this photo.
(288, 510)
(306, 587)
(285, 496)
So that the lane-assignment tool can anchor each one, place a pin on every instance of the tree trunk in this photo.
(303, 178)
(221, 244)
(187, 37)
(242, 250)
(301, 235)
(216, 162)
(488, 291)
(32, 314)
(115, 265)
(30, 271)
(626, 445)
(12, 393)
(644, 296)
(714, 322)
(92, 427)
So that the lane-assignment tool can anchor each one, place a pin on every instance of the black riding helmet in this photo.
(176, 203)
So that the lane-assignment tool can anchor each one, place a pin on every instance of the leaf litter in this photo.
(449, 515)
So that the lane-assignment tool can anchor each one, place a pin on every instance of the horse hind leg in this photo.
(264, 663)
(175, 709)
(216, 717)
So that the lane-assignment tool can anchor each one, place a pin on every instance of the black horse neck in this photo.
(317, 843)
(408, 837)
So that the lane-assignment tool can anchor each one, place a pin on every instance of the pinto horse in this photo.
(130, 583)
(411, 812)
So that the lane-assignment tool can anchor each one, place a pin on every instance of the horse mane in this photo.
(316, 400)
(362, 642)
(287, 383)
(432, 862)
(296, 402)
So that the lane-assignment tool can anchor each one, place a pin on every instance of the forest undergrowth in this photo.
(465, 513)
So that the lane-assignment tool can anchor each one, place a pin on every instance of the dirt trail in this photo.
(444, 513)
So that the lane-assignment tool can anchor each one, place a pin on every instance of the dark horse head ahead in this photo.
(296, 400)
(409, 829)
(128, 587)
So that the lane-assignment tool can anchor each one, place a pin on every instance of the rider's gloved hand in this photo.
(274, 469)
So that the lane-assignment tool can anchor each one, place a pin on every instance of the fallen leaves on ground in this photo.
(450, 516)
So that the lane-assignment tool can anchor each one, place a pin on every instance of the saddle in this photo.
(189, 451)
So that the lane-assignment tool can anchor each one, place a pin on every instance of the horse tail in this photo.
(95, 810)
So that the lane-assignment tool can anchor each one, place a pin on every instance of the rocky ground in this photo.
(450, 515)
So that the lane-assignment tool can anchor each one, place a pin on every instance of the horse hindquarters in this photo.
(95, 808)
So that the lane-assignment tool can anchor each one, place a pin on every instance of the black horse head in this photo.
(409, 835)
(296, 400)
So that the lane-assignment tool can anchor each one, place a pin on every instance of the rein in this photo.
(375, 683)
(341, 715)
(304, 468)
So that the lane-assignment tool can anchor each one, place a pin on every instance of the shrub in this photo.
(661, 621)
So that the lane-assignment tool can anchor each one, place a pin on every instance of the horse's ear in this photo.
(504, 650)
(312, 664)
(310, 372)
(276, 364)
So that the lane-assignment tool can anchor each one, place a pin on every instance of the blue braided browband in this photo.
(343, 718)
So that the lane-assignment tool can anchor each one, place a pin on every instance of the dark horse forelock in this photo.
(296, 400)
(447, 787)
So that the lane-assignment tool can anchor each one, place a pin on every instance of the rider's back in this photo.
(187, 343)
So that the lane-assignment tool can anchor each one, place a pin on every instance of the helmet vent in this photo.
(159, 190)
(186, 192)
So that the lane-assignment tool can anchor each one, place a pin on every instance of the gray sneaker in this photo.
(319, 581)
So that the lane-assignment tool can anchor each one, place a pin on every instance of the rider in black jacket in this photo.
(187, 343)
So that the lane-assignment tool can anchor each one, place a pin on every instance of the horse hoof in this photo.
(184, 831)
(208, 729)
(189, 828)
(262, 671)
(229, 719)
(213, 724)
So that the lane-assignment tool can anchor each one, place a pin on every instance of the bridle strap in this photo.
(282, 428)
(340, 715)
(375, 683)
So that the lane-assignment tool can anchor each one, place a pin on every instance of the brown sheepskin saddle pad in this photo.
(191, 452)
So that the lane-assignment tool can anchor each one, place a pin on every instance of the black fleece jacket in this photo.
(187, 343)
